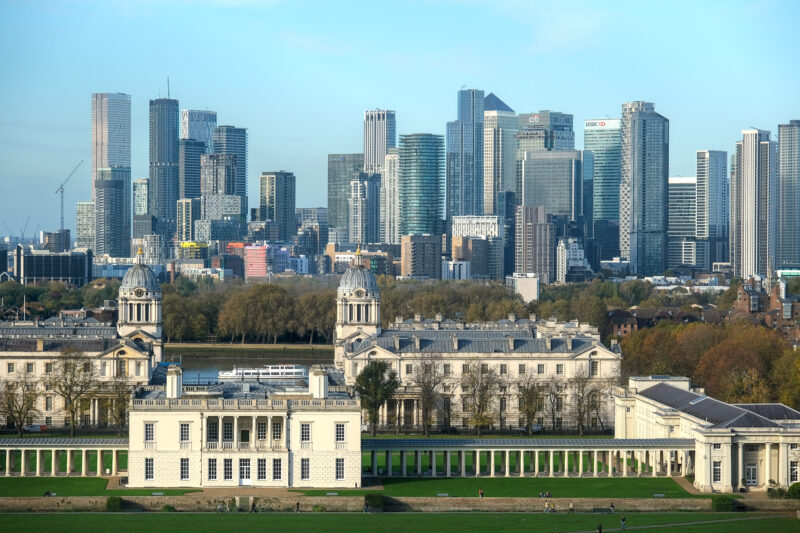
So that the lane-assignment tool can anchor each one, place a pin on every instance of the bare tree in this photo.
(531, 400)
(18, 400)
(582, 391)
(554, 390)
(428, 376)
(75, 380)
(602, 389)
(118, 393)
(478, 390)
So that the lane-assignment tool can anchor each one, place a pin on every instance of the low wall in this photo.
(445, 504)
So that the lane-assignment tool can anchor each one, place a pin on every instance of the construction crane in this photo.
(61, 190)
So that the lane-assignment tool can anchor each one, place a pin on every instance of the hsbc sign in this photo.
(611, 123)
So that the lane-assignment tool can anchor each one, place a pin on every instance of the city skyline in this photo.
(302, 52)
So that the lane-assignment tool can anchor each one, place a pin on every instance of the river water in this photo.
(203, 370)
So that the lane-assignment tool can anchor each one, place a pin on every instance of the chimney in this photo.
(417, 318)
(439, 317)
(454, 338)
(548, 342)
(398, 320)
(510, 342)
(512, 317)
(397, 342)
(318, 382)
(39, 345)
(174, 382)
(417, 342)
(569, 343)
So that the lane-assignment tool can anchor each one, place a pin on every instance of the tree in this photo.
(478, 390)
(428, 375)
(18, 400)
(75, 380)
(118, 394)
(531, 400)
(554, 394)
(584, 392)
(375, 385)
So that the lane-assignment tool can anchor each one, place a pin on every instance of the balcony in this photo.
(150, 445)
(262, 445)
(212, 445)
(341, 445)
(305, 445)
(227, 445)
(186, 445)
(277, 445)
(244, 445)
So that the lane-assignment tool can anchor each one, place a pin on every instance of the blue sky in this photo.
(300, 74)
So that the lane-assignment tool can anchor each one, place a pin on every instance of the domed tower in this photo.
(358, 304)
(139, 301)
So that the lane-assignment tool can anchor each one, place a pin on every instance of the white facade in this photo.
(569, 254)
(380, 134)
(455, 270)
(499, 155)
(390, 199)
(736, 446)
(526, 285)
(488, 226)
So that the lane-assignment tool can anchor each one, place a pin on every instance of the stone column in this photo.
(418, 462)
(236, 432)
(639, 456)
(783, 464)
(23, 463)
(8, 462)
(624, 463)
(403, 463)
(462, 457)
(389, 463)
(402, 417)
(447, 463)
(521, 465)
(39, 456)
(595, 453)
(565, 466)
(53, 463)
(84, 462)
(432, 461)
(99, 463)
(767, 460)
(536, 463)
(477, 463)
(580, 463)
(114, 462)
(253, 436)
(551, 462)
(70, 461)
(654, 460)
(670, 473)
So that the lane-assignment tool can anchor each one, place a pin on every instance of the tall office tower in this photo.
(230, 140)
(603, 137)
(111, 132)
(364, 208)
(464, 161)
(311, 215)
(163, 185)
(140, 197)
(643, 188)
(712, 204)
(788, 246)
(542, 132)
(199, 125)
(507, 211)
(342, 168)
(681, 226)
(84, 234)
(490, 227)
(390, 199)
(218, 174)
(112, 230)
(189, 152)
(278, 201)
(535, 243)
(188, 212)
(500, 125)
(380, 134)
(753, 204)
(421, 183)
(587, 172)
(554, 180)
(421, 255)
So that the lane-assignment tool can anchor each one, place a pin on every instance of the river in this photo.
(202, 370)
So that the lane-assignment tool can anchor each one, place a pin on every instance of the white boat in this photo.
(264, 372)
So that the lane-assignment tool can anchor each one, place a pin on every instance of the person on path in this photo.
(253, 505)
(571, 507)
(480, 493)
(599, 528)
(612, 507)
(297, 507)
(622, 522)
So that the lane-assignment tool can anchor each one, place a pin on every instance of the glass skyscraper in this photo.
(189, 154)
(112, 221)
(421, 185)
(681, 245)
(500, 125)
(342, 169)
(230, 140)
(111, 132)
(603, 137)
(713, 207)
(464, 164)
(788, 195)
(199, 125)
(163, 185)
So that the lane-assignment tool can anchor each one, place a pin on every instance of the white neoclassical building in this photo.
(129, 350)
(518, 350)
(248, 433)
(752, 446)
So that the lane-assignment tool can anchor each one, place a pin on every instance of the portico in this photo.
(43, 457)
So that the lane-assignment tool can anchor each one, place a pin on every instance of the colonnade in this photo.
(532, 462)
(21, 461)
(398, 412)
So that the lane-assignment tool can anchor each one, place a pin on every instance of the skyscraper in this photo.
(535, 243)
(218, 174)
(421, 184)
(277, 200)
(788, 248)
(753, 204)
(163, 185)
(140, 197)
(712, 205)
(189, 210)
(603, 137)
(364, 208)
(199, 125)
(464, 162)
(111, 132)
(644, 188)
(189, 152)
(230, 140)
(380, 134)
(84, 234)
(342, 168)
(112, 229)
(490, 227)
(500, 125)
(554, 180)
(681, 226)
(390, 199)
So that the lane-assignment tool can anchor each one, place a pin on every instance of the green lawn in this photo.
(530, 487)
(386, 523)
(122, 461)
(77, 486)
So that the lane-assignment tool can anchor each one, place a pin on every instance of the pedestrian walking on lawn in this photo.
(571, 507)
(622, 522)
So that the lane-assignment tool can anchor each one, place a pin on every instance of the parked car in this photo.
(35, 428)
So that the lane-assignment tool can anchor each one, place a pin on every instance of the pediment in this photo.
(367, 354)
